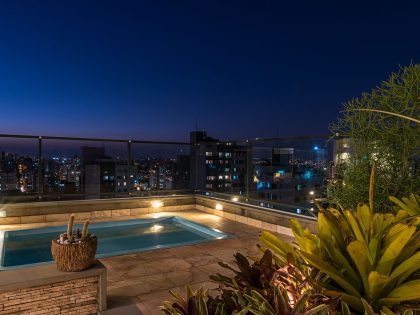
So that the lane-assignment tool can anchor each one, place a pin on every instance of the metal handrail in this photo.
(92, 139)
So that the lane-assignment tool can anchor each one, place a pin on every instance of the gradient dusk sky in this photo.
(154, 69)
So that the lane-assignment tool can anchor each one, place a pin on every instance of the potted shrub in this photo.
(74, 250)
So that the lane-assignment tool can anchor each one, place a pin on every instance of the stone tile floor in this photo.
(144, 278)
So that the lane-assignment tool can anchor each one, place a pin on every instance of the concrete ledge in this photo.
(59, 211)
(26, 285)
(263, 218)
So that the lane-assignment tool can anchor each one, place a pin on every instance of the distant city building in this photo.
(182, 172)
(8, 181)
(342, 150)
(217, 165)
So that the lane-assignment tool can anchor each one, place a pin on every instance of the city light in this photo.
(312, 209)
(316, 148)
(311, 192)
(157, 204)
(219, 206)
(235, 199)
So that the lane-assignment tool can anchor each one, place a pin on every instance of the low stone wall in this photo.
(59, 211)
(267, 219)
(45, 290)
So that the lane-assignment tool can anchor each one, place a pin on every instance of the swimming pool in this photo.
(21, 248)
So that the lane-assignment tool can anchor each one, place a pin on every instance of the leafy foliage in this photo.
(410, 204)
(258, 288)
(362, 255)
(392, 143)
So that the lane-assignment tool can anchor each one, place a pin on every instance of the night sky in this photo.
(154, 69)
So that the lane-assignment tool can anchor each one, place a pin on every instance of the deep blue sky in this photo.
(150, 70)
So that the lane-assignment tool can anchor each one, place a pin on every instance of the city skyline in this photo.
(157, 70)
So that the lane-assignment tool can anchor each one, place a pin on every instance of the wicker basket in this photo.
(74, 257)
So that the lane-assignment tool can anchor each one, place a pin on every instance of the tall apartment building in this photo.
(217, 165)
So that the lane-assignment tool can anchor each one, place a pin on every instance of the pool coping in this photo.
(197, 227)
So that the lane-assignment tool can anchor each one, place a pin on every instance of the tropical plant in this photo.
(258, 305)
(381, 127)
(410, 204)
(359, 255)
(261, 287)
(194, 303)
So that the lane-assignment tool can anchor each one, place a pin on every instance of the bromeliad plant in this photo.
(359, 255)
(410, 204)
(260, 288)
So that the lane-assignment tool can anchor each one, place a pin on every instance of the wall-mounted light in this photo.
(2, 213)
(219, 206)
(235, 199)
(157, 204)
(311, 192)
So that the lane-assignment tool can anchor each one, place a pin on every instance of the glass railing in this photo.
(285, 174)
(64, 168)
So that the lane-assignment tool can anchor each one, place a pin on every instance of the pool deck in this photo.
(144, 278)
(141, 281)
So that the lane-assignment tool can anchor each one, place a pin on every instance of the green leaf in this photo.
(368, 308)
(404, 270)
(377, 283)
(202, 306)
(328, 227)
(355, 227)
(331, 272)
(409, 291)
(392, 251)
(316, 310)
(358, 253)
(345, 308)
(354, 301)
(341, 261)
(364, 215)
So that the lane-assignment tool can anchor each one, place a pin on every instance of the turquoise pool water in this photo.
(33, 246)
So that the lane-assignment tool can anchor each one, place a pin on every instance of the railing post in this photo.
(248, 173)
(129, 164)
(197, 167)
(40, 188)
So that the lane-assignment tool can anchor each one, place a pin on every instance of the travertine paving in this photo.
(142, 280)
(145, 278)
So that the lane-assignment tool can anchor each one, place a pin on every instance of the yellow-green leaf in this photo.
(364, 215)
(358, 253)
(377, 283)
(386, 262)
(331, 272)
(354, 301)
(409, 291)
